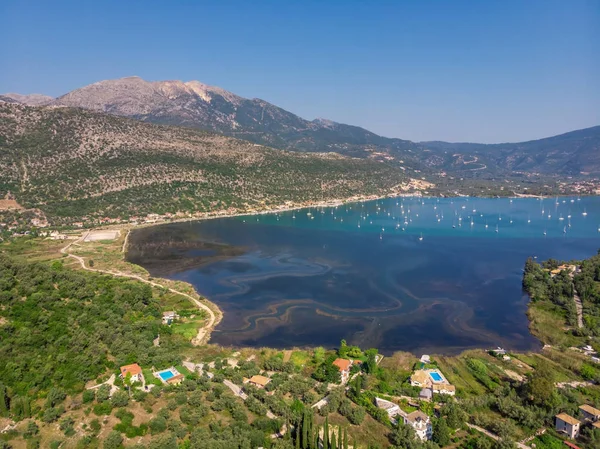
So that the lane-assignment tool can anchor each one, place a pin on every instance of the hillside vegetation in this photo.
(71, 163)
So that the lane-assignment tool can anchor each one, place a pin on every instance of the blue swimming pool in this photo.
(166, 375)
(436, 376)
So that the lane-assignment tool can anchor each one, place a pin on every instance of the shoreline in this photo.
(274, 210)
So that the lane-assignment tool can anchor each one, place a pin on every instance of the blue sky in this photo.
(489, 71)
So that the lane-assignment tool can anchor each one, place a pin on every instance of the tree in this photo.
(403, 436)
(371, 364)
(31, 430)
(455, 416)
(326, 433)
(55, 397)
(119, 399)
(327, 372)
(343, 350)
(113, 440)
(103, 393)
(166, 441)
(4, 404)
(541, 385)
(441, 433)
(88, 396)
(157, 424)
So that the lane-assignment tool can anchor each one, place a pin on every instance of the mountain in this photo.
(70, 162)
(197, 105)
(572, 154)
(31, 99)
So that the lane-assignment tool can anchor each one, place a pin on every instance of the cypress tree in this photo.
(354, 445)
(316, 445)
(3, 401)
(304, 429)
(345, 438)
(326, 433)
(297, 438)
(333, 440)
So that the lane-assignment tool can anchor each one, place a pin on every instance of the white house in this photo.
(169, 317)
(421, 423)
(134, 370)
(568, 425)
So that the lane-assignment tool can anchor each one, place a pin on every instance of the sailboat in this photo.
(421, 237)
(584, 213)
(496, 228)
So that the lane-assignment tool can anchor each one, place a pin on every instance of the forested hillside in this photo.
(71, 162)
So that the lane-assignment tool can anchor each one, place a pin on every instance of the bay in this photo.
(413, 274)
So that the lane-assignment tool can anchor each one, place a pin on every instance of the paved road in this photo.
(203, 332)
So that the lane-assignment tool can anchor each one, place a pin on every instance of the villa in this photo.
(433, 379)
(567, 425)
(259, 381)
(344, 366)
(134, 370)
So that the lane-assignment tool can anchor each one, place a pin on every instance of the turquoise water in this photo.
(423, 275)
(166, 375)
(435, 376)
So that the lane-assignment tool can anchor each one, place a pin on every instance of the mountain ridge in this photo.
(198, 105)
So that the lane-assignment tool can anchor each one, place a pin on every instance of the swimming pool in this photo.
(166, 375)
(436, 376)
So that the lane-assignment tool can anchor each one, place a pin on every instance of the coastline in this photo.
(273, 210)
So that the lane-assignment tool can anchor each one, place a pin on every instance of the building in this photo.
(448, 389)
(426, 394)
(433, 379)
(420, 378)
(590, 413)
(176, 379)
(259, 381)
(421, 423)
(134, 370)
(169, 317)
(392, 409)
(567, 424)
(425, 359)
(344, 366)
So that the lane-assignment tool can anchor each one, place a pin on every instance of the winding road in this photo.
(203, 332)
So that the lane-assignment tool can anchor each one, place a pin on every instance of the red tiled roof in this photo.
(571, 445)
(342, 364)
(133, 369)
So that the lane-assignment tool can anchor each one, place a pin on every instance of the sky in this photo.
(490, 71)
